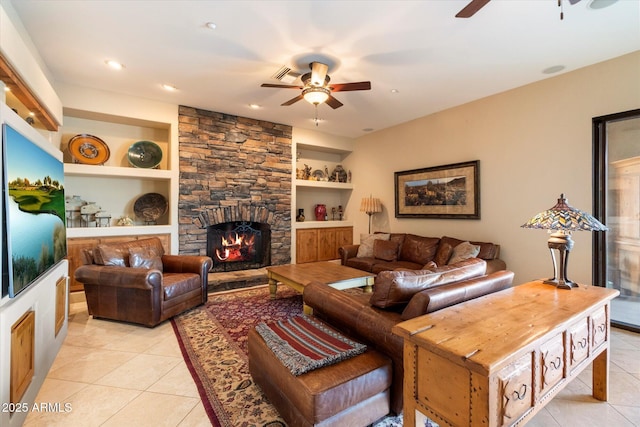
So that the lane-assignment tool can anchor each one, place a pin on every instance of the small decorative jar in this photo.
(321, 212)
(300, 217)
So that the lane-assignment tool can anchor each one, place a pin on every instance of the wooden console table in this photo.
(497, 360)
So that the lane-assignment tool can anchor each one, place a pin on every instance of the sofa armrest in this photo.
(495, 264)
(440, 297)
(122, 277)
(187, 264)
(346, 252)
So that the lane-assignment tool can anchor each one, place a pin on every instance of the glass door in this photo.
(617, 205)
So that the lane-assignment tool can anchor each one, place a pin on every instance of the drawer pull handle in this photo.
(582, 343)
(602, 327)
(556, 364)
(520, 394)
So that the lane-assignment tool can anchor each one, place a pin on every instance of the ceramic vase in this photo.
(321, 212)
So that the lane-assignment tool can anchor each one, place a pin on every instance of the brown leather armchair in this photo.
(136, 282)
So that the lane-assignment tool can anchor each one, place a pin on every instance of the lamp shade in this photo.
(565, 217)
(370, 205)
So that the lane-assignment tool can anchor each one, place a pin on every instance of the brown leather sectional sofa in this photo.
(410, 251)
(398, 296)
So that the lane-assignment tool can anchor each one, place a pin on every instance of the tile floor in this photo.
(115, 374)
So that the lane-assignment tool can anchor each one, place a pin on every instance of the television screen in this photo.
(34, 207)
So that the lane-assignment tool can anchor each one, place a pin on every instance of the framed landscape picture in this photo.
(448, 191)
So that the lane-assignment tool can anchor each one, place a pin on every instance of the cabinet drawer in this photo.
(579, 341)
(516, 389)
(598, 327)
(551, 363)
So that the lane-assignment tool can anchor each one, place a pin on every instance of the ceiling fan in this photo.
(475, 5)
(317, 89)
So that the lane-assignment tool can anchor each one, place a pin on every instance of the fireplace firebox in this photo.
(239, 245)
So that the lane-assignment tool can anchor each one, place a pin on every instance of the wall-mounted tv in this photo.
(34, 211)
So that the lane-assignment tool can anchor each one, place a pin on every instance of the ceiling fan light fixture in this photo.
(315, 95)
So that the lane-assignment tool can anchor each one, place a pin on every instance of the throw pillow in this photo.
(463, 251)
(365, 250)
(417, 249)
(108, 255)
(386, 250)
(145, 257)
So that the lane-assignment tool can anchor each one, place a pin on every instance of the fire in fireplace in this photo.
(239, 245)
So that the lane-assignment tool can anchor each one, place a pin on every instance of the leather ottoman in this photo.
(353, 392)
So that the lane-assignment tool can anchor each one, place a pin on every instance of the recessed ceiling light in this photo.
(7, 89)
(395, 91)
(168, 87)
(254, 106)
(211, 25)
(114, 64)
(553, 69)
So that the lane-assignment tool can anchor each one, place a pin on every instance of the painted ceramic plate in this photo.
(89, 149)
(150, 206)
(144, 154)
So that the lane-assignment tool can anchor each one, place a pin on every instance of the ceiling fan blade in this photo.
(469, 10)
(333, 103)
(318, 73)
(344, 87)
(281, 86)
(292, 101)
(573, 1)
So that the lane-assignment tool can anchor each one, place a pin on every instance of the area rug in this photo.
(213, 340)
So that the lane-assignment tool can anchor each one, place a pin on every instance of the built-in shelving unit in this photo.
(321, 153)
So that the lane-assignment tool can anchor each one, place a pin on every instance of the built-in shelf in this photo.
(75, 232)
(76, 169)
(322, 224)
(324, 184)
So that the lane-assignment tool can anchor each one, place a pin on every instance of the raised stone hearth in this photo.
(226, 281)
(233, 169)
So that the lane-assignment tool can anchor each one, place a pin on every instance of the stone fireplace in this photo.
(235, 178)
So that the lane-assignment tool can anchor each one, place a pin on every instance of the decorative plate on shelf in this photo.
(150, 207)
(144, 154)
(89, 149)
(319, 175)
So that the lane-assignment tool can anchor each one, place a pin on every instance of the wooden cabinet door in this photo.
(327, 249)
(306, 245)
(344, 236)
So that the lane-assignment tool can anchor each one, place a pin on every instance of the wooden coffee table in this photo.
(297, 276)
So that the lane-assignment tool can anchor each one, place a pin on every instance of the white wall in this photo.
(533, 143)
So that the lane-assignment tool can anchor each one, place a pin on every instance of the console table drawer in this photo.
(551, 363)
(579, 342)
(516, 389)
(599, 324)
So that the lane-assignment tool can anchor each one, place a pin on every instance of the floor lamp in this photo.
(370, 205)
(561, 220)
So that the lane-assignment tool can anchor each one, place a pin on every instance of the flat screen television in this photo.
(34, 211)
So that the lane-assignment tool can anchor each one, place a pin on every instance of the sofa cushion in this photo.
(386, 250)
(487, 250)
(418, 249)
(111, 255)
(365, 250)
(364, 263)
(463, 251)
(176, 285)
(145, 257)
(393, 288)
(380, 265)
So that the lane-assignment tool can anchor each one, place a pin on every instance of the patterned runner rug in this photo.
(213, 340)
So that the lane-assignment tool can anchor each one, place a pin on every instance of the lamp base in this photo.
(563, 243)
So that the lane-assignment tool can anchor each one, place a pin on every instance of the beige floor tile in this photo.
(586, 414)
(177, 381)
(140, 372)
(632, 413)
(91, 366)
(543, 419)
(167, 347)
(91, 406)
(54, 390)
(154, 409)
(196, 418)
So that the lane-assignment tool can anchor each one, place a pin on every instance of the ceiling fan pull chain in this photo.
(561, 10)
(316, 118)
